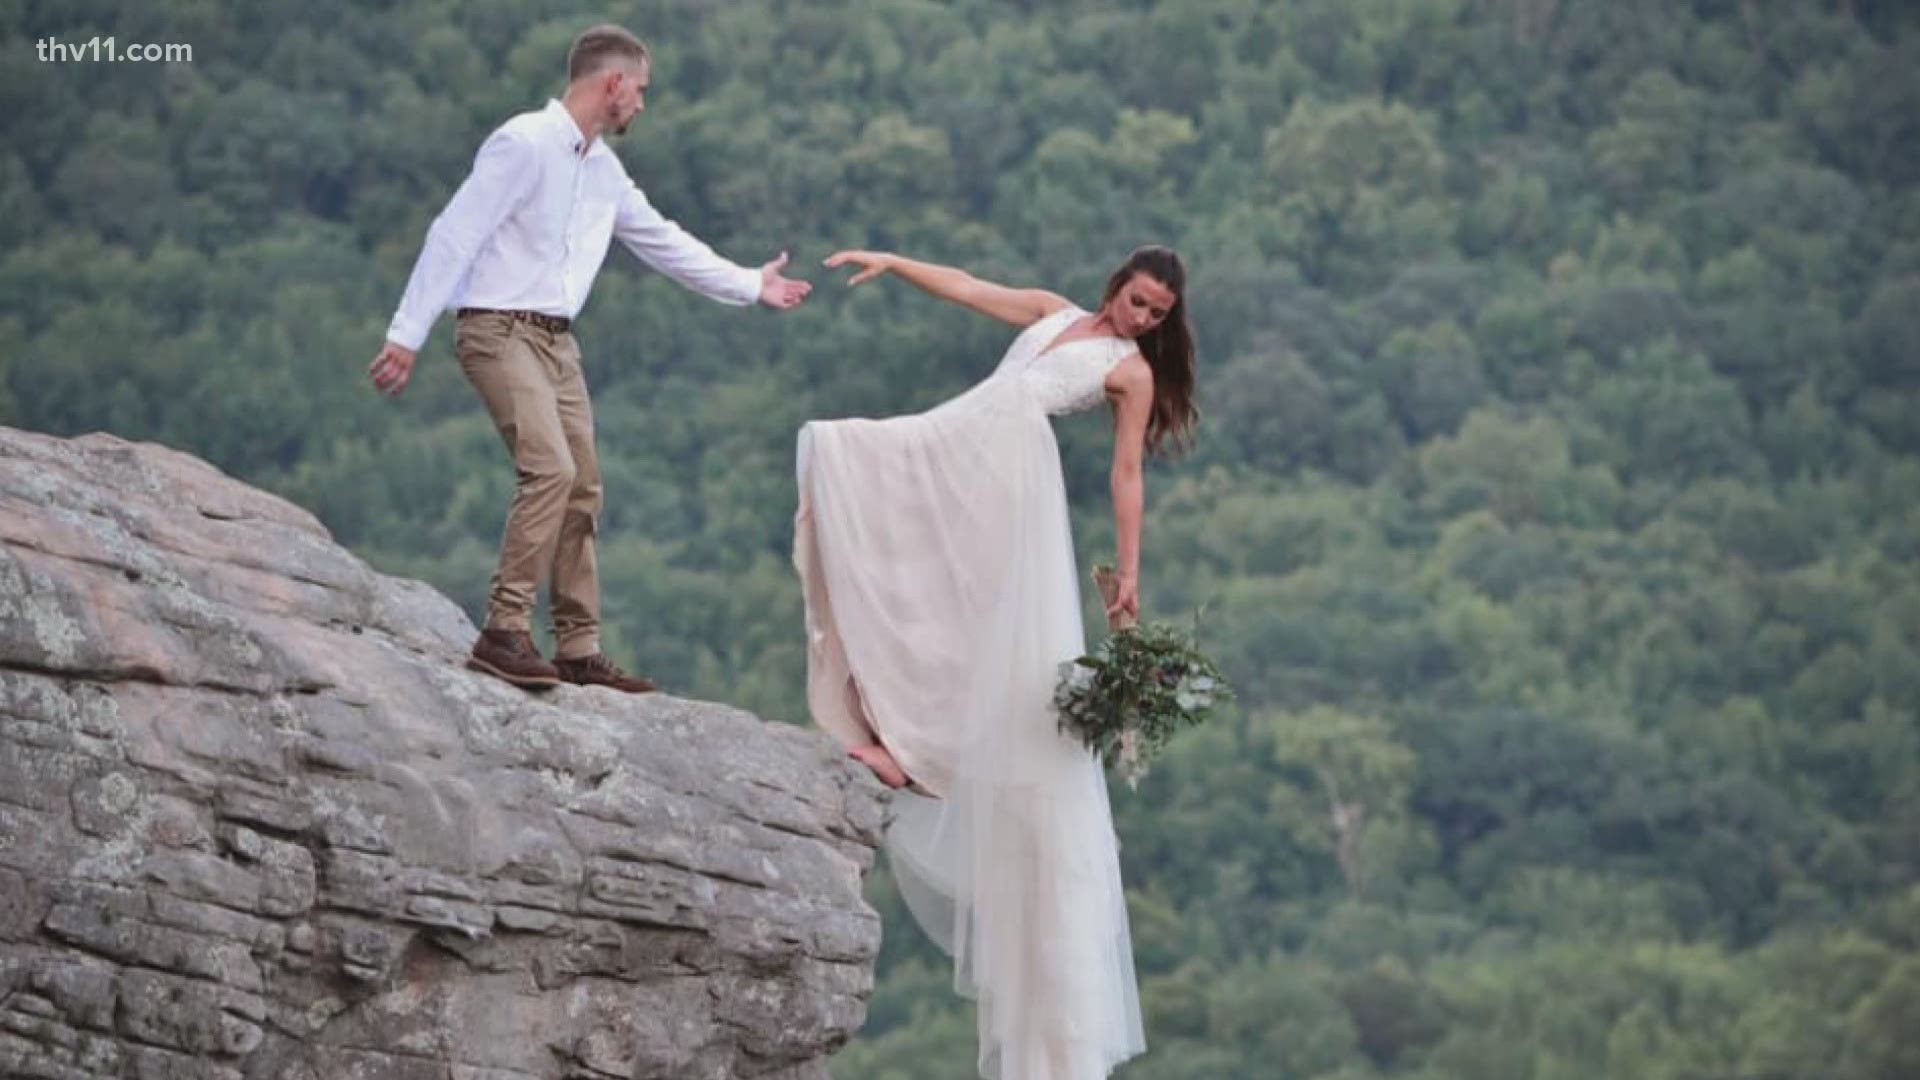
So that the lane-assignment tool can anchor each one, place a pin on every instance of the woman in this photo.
(941, 597)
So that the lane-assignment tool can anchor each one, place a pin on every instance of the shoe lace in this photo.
(600, 665)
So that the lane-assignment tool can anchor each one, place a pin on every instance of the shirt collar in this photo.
(567, 129)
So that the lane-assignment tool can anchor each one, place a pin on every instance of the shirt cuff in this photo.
(749, 287)
(408, 334)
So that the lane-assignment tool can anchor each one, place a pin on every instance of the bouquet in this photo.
(1125, 699)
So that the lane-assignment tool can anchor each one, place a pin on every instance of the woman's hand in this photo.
(871, 263)
(1126, 601)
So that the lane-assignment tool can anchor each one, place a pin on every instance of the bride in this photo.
(937, 564)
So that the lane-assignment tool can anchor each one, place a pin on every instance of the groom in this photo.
(515, 252)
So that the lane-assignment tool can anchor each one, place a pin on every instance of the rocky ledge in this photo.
(256, 821)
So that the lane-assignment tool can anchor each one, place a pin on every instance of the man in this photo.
(515, 251)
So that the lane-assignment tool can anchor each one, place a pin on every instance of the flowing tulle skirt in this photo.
(942, 597)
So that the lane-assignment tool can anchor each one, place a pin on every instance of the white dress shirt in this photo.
(529, 229)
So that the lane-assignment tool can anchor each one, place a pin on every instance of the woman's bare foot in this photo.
(875, 757)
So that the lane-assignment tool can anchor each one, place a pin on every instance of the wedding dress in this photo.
(937, 563)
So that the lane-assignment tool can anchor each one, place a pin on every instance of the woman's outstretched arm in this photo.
(1021, 307)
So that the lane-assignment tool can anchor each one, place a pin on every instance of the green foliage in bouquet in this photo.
(1127, 697)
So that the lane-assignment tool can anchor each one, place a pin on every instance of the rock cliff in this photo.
(256, 821)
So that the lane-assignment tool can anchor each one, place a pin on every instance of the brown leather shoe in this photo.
(597, 670)
(510, 655)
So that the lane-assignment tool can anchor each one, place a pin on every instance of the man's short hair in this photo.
(601, 47)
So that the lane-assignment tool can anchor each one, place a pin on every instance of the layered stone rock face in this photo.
(256, 821)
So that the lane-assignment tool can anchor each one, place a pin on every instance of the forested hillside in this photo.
(1556, 508)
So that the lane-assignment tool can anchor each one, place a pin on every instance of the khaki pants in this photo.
(533, 386)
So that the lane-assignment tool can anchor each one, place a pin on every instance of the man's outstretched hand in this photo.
(779, 292)
(391, 369)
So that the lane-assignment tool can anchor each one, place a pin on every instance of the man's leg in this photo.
(576, 573)
(501, 359)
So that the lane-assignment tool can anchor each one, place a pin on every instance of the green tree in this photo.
(1354, 804)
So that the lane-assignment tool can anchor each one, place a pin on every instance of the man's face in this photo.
(627, 94)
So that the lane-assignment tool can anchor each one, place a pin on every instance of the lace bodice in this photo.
(1065, 378)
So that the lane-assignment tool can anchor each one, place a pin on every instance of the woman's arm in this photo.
(1131, 388)
(1021, 307)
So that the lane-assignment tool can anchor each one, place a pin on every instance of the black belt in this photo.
(552, 324)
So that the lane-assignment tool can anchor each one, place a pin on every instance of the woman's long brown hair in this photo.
(1168, 348)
